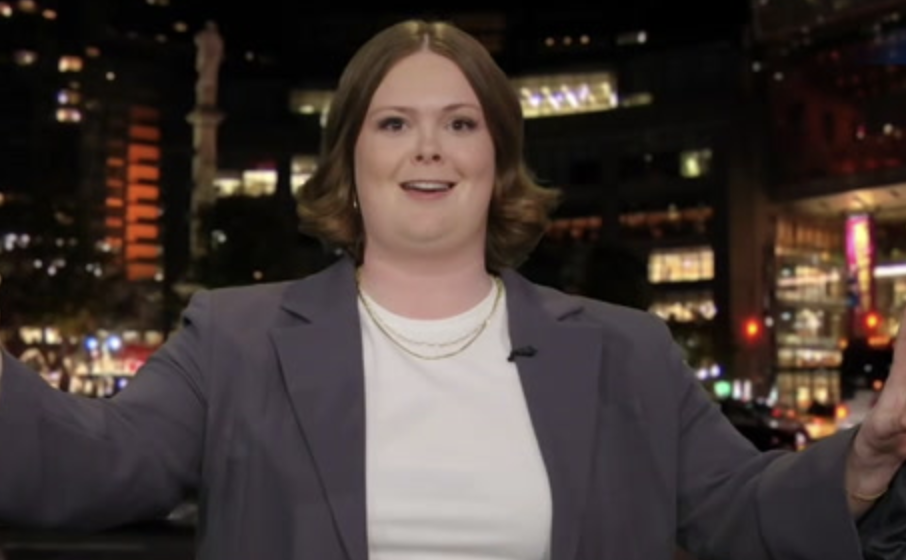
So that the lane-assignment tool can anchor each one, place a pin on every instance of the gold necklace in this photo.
(467, 340)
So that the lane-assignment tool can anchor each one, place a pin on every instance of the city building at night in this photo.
(96, 111)
(94, 151)
(835, 84)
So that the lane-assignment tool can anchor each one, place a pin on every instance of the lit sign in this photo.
(860, 260)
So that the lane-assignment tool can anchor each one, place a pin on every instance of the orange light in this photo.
(752, 328)
(878, 341)
(872, 320)
(842, 412)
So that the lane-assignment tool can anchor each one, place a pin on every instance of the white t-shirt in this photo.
(453, 467)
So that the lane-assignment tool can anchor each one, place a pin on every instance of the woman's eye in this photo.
(463, 124)
(391, 123)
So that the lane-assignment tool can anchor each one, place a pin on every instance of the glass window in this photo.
(68, 115)
(695, 163)
(685, 308)
(70, 64)
(259, 182)
(681, 265)
(25, 57)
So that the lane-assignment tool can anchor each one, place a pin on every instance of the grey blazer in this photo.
(258, 402)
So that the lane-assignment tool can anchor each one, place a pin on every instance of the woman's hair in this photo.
(520, 208)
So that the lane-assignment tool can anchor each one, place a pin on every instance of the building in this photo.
(667, 174)
(834, 78)
(93, 110)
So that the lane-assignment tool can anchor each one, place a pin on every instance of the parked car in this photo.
(766, 427)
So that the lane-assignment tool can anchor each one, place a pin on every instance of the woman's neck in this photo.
(425, 290)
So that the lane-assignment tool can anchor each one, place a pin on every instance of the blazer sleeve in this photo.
(81, 463)
(883, 528)
(738, 503)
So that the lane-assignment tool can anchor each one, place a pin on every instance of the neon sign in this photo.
(860, 255)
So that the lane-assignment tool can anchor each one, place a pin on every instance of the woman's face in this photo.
(424, 162)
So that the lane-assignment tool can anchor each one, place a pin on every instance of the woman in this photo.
(419, 399)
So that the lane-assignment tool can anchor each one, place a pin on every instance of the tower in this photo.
(205, 119)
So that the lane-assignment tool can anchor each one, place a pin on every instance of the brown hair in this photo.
(520, 208)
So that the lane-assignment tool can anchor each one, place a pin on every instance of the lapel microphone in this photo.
(522, 352)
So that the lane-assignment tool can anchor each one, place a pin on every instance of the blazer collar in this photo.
(320, 356)
(332, 292)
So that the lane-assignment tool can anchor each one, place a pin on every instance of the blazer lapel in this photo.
(320, 353)
(561, 385)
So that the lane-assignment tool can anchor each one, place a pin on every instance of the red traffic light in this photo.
(752, 329)
(872, 320)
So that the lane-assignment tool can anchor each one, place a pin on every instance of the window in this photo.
(25, 58)
(693, 264)
(68, 97)
(228, 186)
(695, 163)
(259, 182)
(68, 115)
(69, 63)
(633, 38)
(685, 308)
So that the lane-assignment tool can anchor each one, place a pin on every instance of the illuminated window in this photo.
(143, 113)
(552, 95)
(259, 182)
(144, 133)
(143, 173)
(28, 6)
(143, 153)
(69, 115)
(634, 38)
(228, 186)
(695, 163)
(69, 97)
(70, 63)
(180, 27)
(6, 10)
(681, 265)
(25, 58)
(49, 14)
(637, 100)
(686, 308)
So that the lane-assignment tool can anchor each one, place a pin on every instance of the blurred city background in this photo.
(736, 167)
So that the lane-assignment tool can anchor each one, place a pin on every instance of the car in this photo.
(766, 427)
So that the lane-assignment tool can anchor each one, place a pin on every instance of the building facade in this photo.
(95, 112)
(836, 179)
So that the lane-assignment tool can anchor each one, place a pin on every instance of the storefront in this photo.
(837, 281)
(809, 316)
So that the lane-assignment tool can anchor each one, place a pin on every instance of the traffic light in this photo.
(752, 329)
(871, 321)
